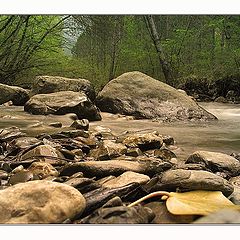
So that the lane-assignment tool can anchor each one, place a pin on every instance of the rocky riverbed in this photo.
(80, 176)
(56, 167)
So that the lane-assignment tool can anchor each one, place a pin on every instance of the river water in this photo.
(222, 135)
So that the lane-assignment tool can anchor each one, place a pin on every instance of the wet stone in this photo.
(43, 152)
(8, 134)
(168, 140)
(21, 177)
(216, 162)
(120, 215)
(134, 152)
(188, 180)
(24, 142)
(81, 124)
(143, 141)
(43, 170)
(235, 196)
(83, 185)
(163, 216)
(114, 167)
(125, 179)
(18, 169)
(70, 134)
(97, 198)
(108, 150)
(164, 154)
(221, 217)
(56, 124)
(39, 202)
(3, 175)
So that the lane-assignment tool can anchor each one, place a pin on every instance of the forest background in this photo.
(101, 47)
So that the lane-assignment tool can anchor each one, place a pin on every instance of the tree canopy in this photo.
(109, 45)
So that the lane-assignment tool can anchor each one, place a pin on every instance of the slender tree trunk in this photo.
(213, 47)
(166, 68)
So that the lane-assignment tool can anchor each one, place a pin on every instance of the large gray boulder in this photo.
(139, 95)
(50, 84)
(17, 95)
(40, 201)
(63, 102)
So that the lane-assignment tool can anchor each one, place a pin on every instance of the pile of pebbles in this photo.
(78, 176)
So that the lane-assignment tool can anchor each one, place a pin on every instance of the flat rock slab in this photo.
(40, 202)
(127, 178)
(42, 152)
(188, 180)
(50, 84)
(61, 103)
(141, 96)
(101, 169)
(216, 162)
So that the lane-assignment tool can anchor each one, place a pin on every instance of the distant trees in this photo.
(26, 41)
(167, 47)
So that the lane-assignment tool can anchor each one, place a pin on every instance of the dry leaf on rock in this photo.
(197, 202)
(192, 203)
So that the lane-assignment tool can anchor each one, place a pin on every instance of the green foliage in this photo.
(109, 45)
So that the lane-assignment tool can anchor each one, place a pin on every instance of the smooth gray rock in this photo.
(216, 162)
(188, 180)
(61, 103)
(114, 167)
(141, 96)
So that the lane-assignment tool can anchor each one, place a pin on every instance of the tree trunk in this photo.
(166, 68)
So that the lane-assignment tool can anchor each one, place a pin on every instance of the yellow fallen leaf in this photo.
(198, 202)
(192, 203)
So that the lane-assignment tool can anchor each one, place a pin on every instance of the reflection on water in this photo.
(222, 135)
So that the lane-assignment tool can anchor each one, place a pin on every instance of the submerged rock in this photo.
(40, 202)
(188, 180)
(17, 95)
(139, 95)
(61, 103)
(216, 162)
(50, 84)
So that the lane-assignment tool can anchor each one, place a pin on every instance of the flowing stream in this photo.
(222, 135)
